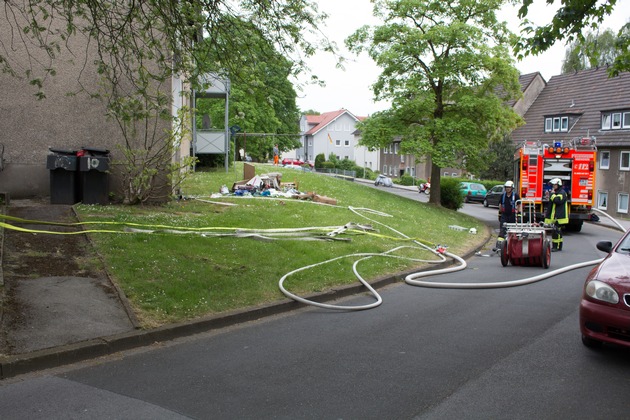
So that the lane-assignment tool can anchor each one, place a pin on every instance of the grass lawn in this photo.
(176, 268)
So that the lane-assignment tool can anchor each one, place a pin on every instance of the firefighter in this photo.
(557, 212)
(509, 207)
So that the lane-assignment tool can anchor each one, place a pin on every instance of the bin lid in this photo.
(95, 151)
(63, 151)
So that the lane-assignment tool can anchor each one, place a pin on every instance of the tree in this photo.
(138, 46)
(500, 160)
(568, 25)
(447, 71)
(262, 99)
(597, 49)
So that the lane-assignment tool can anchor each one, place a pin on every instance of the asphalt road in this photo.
(507, 353)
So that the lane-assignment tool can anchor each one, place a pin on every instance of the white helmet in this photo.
(508, 184)
(556, 181)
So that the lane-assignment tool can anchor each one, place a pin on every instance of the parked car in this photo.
(384, 181)
(493, 197)
(605, 305)
(472, 191)
(294, 162)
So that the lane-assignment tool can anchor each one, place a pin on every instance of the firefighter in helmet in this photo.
(509, 207)
(557, 212)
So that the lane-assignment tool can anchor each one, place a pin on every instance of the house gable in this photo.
(574, 104)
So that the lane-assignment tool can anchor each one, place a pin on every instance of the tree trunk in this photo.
(436, 193)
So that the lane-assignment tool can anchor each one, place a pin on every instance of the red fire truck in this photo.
(572, 161)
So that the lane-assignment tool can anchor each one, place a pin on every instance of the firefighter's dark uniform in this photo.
(557, 214)
(508, 208)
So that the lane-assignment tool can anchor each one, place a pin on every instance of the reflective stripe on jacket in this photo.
(557, 208)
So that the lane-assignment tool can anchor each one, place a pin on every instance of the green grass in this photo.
(170, 277)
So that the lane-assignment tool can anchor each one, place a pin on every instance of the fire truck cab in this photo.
(573, 162)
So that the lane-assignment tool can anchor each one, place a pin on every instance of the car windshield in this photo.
(624, 246)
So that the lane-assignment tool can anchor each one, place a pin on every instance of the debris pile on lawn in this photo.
(271, 185)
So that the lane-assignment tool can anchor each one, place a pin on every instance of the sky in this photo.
(350, 89)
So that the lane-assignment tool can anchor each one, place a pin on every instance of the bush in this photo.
(450, 197)
(366, 173)
(328, 165)
(406, 180)
(345, 164)
(319, 160)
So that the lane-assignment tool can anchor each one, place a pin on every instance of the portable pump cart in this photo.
(527, 242)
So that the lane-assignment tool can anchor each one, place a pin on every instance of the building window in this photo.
(346, 142)
(624, 161)
(556, 124)
(602, 200)
(338, 143)
(396, 148)
(615, 120)
(606, 122)
(385, 169)
(622, 203)
(391, 149)
(604, 159)
(346, 157)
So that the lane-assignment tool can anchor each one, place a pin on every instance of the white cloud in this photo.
(350, 89)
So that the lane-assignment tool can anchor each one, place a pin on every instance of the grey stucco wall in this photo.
(68, 118)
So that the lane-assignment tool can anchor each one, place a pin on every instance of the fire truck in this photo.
(572, 161)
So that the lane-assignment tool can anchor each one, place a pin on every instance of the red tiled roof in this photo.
(318, 122)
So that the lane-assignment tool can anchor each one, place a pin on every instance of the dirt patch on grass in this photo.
(26, 301)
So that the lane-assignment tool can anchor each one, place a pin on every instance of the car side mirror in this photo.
(605, 246)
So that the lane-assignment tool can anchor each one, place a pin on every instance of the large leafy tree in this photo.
(569, 24)
(447, 71)
(262, 98)
(597, 49)
(137, 46)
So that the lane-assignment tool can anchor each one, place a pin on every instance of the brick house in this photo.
(588, 103)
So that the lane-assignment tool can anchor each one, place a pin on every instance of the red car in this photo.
(605, 305)
(294, 162)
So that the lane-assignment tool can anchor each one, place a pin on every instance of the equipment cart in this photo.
(527, 242)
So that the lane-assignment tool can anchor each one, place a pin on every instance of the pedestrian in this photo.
(557, 212)
(509, 208)
(276, 155)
